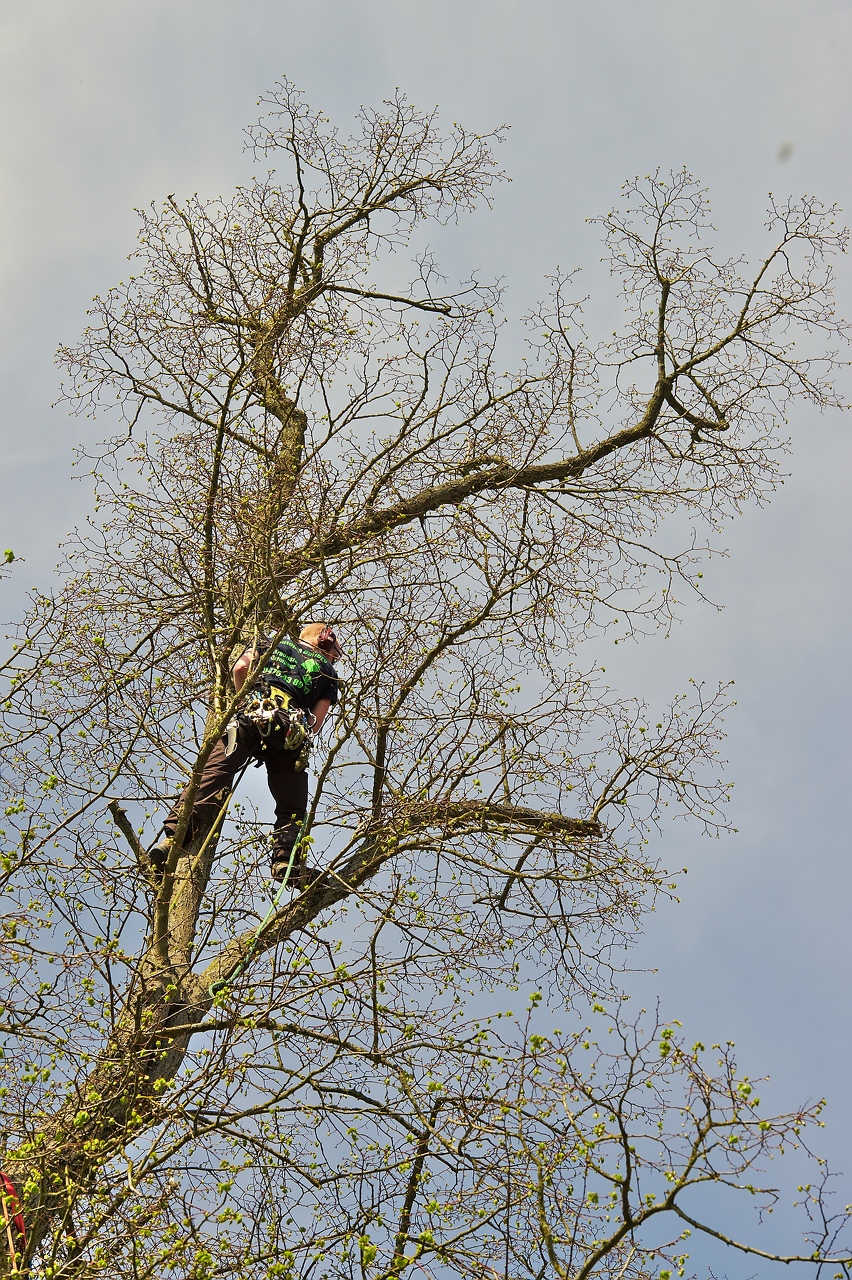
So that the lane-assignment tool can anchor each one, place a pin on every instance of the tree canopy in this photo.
(307, 428)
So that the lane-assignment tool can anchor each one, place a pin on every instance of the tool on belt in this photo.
(279, 722)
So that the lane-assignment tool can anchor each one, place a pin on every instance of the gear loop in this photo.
(270, 710)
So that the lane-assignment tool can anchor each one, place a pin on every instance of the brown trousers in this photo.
(288, 787)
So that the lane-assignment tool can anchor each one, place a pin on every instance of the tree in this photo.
(301, 435)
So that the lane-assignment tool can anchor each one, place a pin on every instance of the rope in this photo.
(9, 1199)
(223, 983)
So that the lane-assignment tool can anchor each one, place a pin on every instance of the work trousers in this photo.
(288, 787)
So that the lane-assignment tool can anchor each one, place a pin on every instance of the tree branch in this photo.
(124, 825)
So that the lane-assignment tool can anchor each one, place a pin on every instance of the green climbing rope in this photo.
(218, 987)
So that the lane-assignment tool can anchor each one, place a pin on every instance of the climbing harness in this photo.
(218, 987)
(272, 711)
(13, 1220)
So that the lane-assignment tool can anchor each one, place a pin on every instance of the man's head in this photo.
(320, 635)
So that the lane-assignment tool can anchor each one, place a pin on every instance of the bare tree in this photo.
(198, 1086)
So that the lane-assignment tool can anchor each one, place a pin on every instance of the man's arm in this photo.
(242, 666)
(319, 712)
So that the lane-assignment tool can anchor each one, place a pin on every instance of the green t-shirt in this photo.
(299, 670)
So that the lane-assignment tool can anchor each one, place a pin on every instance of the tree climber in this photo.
(285, 710)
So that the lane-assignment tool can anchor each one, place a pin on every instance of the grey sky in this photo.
(108, 104)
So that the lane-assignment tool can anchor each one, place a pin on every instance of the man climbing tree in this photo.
(191, 1088)
(295, 688)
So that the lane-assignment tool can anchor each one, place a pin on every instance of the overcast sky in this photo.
(108, 104)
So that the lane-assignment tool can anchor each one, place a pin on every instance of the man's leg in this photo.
(213, 789)
(289, 790)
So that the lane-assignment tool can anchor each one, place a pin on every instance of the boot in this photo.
(301, 877)
(279, 868)
(158, 855)
(286, 842)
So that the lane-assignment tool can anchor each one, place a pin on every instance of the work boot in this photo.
(279, 868)
(286, 844)
(158, 855)
(301, 877)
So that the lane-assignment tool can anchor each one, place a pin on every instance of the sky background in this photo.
(107, 105)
